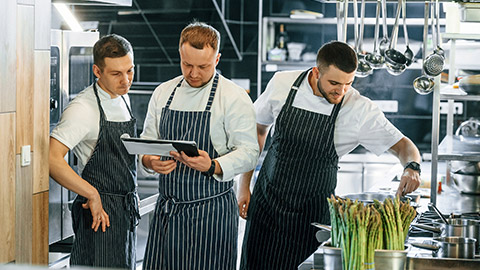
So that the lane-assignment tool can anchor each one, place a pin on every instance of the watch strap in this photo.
(414, 166)
(211, 170)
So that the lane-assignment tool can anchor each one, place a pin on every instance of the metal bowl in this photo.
(465, 167)
(467, 183)
(471, 84)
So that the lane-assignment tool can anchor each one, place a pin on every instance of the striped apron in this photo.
(195, 222)
(112, 171)
(297, 175)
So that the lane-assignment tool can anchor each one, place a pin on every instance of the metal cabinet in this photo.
(450, 148)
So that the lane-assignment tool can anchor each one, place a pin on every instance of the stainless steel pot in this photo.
(451, 247)
(384, 259)
(467, 183)
(457, 227)
(465, 167)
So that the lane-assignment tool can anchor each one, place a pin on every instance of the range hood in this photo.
(124, 3)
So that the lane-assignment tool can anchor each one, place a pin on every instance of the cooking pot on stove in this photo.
(457, 227)
(450, 247)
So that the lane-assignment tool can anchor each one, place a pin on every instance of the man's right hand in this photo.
(99, 216)
(160, 166)
(243, 198)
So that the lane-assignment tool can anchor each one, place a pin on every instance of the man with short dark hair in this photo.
(91, 126)
(317, 118)
(196, 217)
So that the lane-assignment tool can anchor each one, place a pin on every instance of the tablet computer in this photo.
(159, 147)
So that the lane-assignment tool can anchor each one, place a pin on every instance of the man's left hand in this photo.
(410, 182)
(200, 163)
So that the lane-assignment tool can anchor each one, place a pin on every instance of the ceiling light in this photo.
(68, 16)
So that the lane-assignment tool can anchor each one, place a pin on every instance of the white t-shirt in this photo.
(233, 130)
(359, 121)
(80, 122)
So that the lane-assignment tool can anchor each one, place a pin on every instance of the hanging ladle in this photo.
(423, 85)
(433, 64)
(444, 220)
(395, 60)
(438, 50)
(384, 43)
(363, 69)
(408, 52)
(375, 59)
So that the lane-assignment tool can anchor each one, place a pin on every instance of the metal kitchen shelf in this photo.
(459, 148)
(449, 92)
(333, 20)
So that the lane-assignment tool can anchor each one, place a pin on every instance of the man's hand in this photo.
(158, 165)
(99, 215)
(410, 182)
(200, 163)
(243, 198)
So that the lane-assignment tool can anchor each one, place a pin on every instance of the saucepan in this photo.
(456, 227)
(451, 247)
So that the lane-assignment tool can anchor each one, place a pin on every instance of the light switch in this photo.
(25, 155)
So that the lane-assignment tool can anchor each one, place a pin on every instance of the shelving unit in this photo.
(451, 147)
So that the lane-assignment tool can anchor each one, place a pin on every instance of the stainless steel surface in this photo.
(467, 183)
(72, 48)
(375, 59)
(391, 259)
(440, 215)
(459, 148)
(465, 167)
(423, 85)
(408, 52)
(332, 258)
(395, 60)
(450, 247)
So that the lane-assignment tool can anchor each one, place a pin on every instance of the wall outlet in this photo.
(457, 108)
(25, 155)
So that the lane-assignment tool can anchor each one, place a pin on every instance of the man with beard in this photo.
(196, 216)
(317, 118)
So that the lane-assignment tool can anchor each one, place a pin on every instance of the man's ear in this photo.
(218, 59)
(97, 71)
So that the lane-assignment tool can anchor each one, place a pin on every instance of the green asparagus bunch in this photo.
(358, 229)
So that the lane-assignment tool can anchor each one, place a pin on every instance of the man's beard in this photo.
(324, 94)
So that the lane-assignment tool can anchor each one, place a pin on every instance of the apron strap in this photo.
(295, 86)
(102, 113)
(212, 93)
(172, 94)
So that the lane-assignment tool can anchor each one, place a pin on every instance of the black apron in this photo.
(195, 222)
(112, 171)
(297, 175)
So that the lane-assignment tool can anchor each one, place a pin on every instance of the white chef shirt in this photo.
(359, 120)
(233, 130)
(80, 122)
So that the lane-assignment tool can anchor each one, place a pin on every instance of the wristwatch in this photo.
(211, 170)
(414, 166)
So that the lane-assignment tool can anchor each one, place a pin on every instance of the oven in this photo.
(71, 61)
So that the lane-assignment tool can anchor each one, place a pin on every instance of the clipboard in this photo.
(139, 146)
